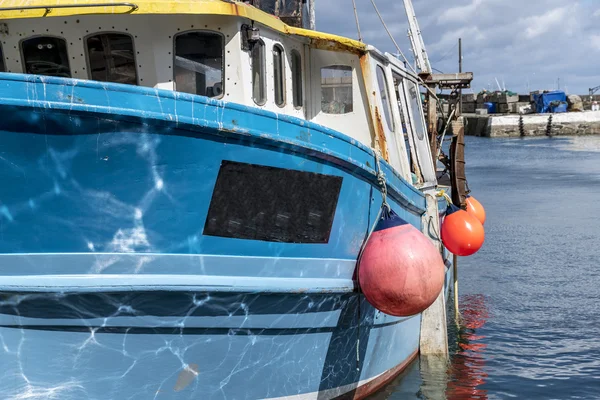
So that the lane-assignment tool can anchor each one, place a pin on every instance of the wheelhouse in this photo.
(246, 57)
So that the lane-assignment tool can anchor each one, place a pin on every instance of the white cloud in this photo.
(595, 41)
(541, 24)
(529, 44)
(449, 39)
(460, 13)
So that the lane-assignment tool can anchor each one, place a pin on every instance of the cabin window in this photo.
(414, 99)
(336, 89)
(406, 129)
(385, 97)
(279, 75)
(199, 63)
(297, 79)
(111, 58)
(399, 86)
(259, 91)
(46, 55)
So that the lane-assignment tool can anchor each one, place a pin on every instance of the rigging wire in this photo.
(447, 54)
(357, 23)
(401, 53)
(391, 36)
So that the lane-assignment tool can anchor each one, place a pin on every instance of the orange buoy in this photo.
(476, 209)
(462, 233)
(400, 272)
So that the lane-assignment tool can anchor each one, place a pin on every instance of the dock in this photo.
(512, 125)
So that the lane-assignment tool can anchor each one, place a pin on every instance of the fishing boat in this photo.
(187, 187)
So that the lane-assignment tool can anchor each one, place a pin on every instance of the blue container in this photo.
(491, 107)
(560, 108)
(543, 101)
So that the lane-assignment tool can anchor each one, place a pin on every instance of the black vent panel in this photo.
(272, 204)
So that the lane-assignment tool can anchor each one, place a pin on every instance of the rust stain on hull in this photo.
(380, 134)
(379, 139)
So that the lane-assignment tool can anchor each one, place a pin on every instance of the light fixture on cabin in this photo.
(250, 35)
(253, 34)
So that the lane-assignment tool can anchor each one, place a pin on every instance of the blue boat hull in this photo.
(110, 286)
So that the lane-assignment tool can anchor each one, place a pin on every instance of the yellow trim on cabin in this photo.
(199, 7)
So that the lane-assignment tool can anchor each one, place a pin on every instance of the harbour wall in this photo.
(573, 123)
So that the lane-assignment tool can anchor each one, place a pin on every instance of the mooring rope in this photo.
(442, 193)
(381, 179)
(385, 208)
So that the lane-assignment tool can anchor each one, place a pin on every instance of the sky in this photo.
(524, 44)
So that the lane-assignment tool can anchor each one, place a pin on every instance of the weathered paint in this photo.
(377, 132)
(199, 7)
(381, 140)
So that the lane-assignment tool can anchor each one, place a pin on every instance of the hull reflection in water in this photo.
(431, 378)
(467, 372)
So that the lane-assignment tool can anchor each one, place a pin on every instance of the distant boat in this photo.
(186, 189)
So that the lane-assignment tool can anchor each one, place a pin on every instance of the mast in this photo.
(311, 12)
(416, 39)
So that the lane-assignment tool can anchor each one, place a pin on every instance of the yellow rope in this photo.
(443, 194)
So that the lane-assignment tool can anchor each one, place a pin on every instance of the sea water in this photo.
(530, 299)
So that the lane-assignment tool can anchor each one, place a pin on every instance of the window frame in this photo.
(421, 134)
(262, 45)
(2, 58)
(387, 111)
(340, 67)
(87, 54)
(223, 62)
(24, 63)
(297, 81)
(283, 86)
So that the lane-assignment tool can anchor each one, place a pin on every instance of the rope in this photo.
(357, 23)
(381, 180)
(444, 134)
(436, 236)
(443, 194)
(385, 208)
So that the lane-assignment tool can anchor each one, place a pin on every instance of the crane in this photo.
(454, 82)
(443, 81)
(416, 39)
(592, 91)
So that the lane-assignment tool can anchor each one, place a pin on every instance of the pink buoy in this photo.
(401, 272)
